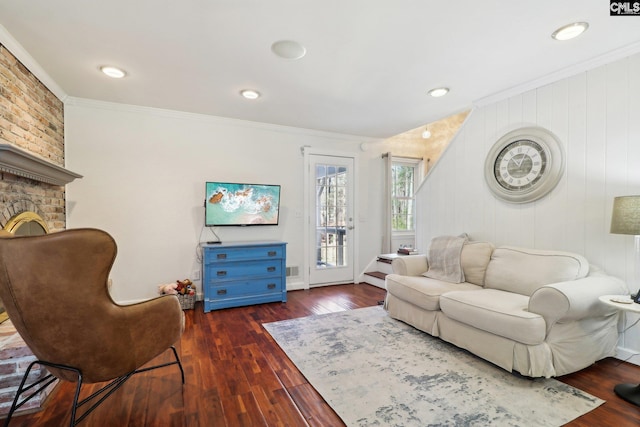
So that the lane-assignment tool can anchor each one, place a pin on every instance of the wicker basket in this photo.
(187, 301)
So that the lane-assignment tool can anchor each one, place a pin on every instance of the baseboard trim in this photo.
(628, 355)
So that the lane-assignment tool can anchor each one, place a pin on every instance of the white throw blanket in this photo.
(444, 258)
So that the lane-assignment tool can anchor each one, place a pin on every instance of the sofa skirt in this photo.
(530, 360)
(579, 344)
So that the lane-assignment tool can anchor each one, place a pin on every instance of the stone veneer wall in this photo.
(31, 118)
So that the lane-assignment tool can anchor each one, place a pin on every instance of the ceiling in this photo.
(368, 67)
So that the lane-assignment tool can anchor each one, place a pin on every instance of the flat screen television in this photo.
(239, 204)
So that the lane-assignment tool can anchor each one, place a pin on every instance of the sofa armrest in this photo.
(410, 265)
(576, 299)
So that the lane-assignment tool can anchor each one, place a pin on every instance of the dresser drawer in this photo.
(243, 254)
(242, 288)
(232, 271)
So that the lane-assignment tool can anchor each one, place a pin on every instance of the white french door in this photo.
(330, 187)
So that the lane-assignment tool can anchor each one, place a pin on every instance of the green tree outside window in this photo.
(402, 197)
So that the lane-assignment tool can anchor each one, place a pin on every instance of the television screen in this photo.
(241, 204)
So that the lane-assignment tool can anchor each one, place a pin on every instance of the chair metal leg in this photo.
(104, 392)
(76, 395)
(47, 380)
(21, 389)
(175, 354)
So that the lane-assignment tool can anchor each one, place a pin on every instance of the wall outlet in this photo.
(195, 275)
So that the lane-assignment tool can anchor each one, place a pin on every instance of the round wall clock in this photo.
(524, 165)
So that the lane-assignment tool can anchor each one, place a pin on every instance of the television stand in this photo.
(243, 273)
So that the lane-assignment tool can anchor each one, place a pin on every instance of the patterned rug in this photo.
(376, 371)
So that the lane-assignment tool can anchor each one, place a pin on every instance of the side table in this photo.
(629, 392)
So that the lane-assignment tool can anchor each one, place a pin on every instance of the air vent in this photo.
(292, 271)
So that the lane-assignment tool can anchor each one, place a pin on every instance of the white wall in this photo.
(144, 176)
(595, 115)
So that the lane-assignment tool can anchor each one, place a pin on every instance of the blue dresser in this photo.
(243, 273)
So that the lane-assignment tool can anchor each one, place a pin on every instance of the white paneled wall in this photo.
(595, 114)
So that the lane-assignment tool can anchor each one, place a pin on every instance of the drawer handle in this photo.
(221, 273)
(221, 256)
(222, 292)
(272, 253)
(271, 269)
(271, 286)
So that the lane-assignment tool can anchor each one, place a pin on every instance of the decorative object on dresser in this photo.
(243, 273)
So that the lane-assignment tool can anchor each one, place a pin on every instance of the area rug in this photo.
(376, 371)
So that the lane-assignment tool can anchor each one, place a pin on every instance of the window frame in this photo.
(416, 164)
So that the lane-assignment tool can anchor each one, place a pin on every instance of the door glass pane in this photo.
(331, 221)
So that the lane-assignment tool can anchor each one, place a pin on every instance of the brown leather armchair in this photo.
(54, 288)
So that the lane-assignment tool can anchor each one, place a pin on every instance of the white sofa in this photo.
(531, 311)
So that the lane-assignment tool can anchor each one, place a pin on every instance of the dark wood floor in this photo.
(237, 376)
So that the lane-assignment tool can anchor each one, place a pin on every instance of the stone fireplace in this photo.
(32, 190)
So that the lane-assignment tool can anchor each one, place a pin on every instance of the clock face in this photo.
(520, 165)
(524, 165)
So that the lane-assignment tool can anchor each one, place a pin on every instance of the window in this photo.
(404, 175)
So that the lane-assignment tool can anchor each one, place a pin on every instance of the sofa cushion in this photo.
(474, 258)
(524, 270)
(422, 291)
(498, 312)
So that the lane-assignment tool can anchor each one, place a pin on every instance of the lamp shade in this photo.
(626, 215)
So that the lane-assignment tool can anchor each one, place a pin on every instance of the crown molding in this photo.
(18, 162)
(217, 120)
(607, 58)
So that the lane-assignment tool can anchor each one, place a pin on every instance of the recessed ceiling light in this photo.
(570, 31)
(439, 91)
(250, 93)
(113, 72)
(288, 49)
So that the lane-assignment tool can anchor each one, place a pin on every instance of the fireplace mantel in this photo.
(15, 161)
